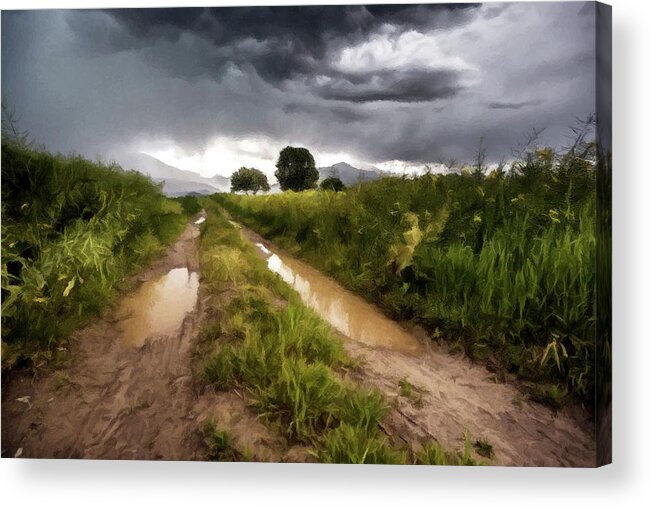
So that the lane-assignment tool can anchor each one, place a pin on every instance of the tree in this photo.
(248, 179)
(296, 170)
(333, 183)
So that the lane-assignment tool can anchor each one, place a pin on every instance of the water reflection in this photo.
(346, 312)
(158, 307)
(263, 248)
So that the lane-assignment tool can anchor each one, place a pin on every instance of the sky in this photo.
(210, 90)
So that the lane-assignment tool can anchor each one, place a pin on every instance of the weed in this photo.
(548, 394)
(406, 388)
(355, 444)
(432, 453)
(63, 383)
(304, 398)
(484, 448)
(220, 444)
(411, 392)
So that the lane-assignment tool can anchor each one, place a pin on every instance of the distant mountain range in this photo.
(175, 181)
(348, 174)
(179, 182)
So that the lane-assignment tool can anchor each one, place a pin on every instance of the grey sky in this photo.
(210, 90)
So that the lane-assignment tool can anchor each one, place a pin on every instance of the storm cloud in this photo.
(380, 85)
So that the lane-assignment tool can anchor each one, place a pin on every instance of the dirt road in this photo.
(121, 398)
(452, 395)
(114, 401)
(131, 398)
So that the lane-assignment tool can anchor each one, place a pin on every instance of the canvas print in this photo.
(370, 234)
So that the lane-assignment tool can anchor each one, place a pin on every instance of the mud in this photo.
(129, 391)
(345, 311)
(158, 307)
(135, 394)
(455, 396)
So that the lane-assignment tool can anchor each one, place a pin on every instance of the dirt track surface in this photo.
(119, 402)
(457, 395)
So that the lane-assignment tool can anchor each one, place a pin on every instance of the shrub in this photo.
(72, 230)
(333, 183)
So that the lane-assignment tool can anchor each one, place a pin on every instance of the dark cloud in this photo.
(407, 86)
(279, 43)
(339, 113)
(513, 105)
(294, 39)
(412, 83)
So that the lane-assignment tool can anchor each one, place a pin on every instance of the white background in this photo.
(626, 482)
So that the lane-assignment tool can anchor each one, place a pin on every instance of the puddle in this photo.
(200, 220)
(264, 249)
(158, 307)
(345, 311)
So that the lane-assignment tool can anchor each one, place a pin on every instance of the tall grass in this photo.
(284, 356)
(502, 263)
(71, 231)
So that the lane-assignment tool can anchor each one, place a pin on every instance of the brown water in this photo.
(158, 307)
(345, 311)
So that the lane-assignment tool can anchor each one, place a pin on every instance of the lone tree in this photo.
(333, 183)
(248, 179)
(296, 169)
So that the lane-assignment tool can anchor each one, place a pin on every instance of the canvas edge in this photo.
(603, 337)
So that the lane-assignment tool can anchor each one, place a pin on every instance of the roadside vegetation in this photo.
(248, 179)
(72, 230)
(500, 262)
(220, 444)
(263, 341)
(332, 183)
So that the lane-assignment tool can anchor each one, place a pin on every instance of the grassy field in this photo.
(72, 230)
(262, 339)
(501, 264)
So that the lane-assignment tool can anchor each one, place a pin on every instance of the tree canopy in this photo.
(248, 179)
(333, 183)
(296, 170)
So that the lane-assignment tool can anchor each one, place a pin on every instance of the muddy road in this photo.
(130, 389)
(450, 394)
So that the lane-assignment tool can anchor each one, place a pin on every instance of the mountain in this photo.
(348, 174)
(176, 181)
(175, 188)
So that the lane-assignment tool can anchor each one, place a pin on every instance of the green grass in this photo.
(284, 356)
(220, 444)
(304, 397)
(484, 448)
(189, 203)
(406, 388)
(503, 264)
(72, 231)
(356, 444)
(411, 392)
(432, 453)
(549, 394)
